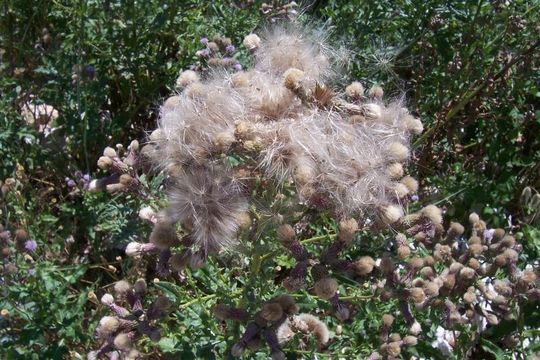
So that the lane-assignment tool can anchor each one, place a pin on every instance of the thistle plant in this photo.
(272, 149)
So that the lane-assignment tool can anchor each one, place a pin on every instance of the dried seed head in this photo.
(427, 272)
(286, 233)
(431, 289)
(292, 78)
(355, 90)
(347, 229)
(455, 230)
(387, 265)
(271, 312)
(387, 320)
(376, 91)
(417, 295)
(108, 325)
(413, 124)
(252, 42)
(397, 151)
(122, 342)
(433, 213)
(467, 274)
(326, 288)
(403, 251)
(469, 297)
(394, 337)
(410, 183)
(107, 299)
(121, 288)
(390, 214)
(395, 170)
(474, 218)
(364, 265)
(476, 250)
(410, 340)
(186, 78)
(287, 303)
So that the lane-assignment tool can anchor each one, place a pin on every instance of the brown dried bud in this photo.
(286, 233)
(364, 265)
(326, 288)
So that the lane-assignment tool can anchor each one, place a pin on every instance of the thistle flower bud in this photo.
(466, 274)
(21, 235)
(410, 340)
(109, 152)
(415, 328)
(474, 240)
(395, 170)
(126, 179)
(511, 255)
(397, 151)
(392, 349)
(394, 337)
(107, 299)
(431, 289)
(252, 42)
(508, 241)
(135, 249)
(469, 297)
(455, 267)
(148, 214)
(113, 188)
(474, 218)
(387, 266)
(455, 230)
(347, 229)
(387, 320)
(374, 112)
(413, 124)
(292, 78)
(498, 234)
(403, 251)
(271, 312)
(376, 91)
(326, 288)
(364, 265)
(355, 90)
(442, 252)
(122, 342)
(433, 213)
(476, 250)
(390, 214)
(427, 272)
(108, 325)
(286, 233)
(121, 288)
(416, 263)
(186, 78)
(417, 295)
(140, 286)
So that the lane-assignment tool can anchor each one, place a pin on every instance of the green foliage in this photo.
(468, 68)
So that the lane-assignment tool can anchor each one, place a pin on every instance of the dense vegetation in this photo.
(77, 77)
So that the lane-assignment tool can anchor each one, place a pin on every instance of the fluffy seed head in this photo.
(410, 183)
(347, 229)
(286, 233)
(186, 78)
(252, 42)
(164, 235)
(410, 340)
(108, 325)
(413, 125)
(122, 342)
(417, 295)
(107, 299)
(395, 170)
(397, 151)
(292, 78)
(355, 90)
(121, 288)
(474, 218)
(390, 214)
(326, 288)
(387, 320)
(364, 265)
(376, 91)
(433, 213)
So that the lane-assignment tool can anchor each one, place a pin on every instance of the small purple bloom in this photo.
(415, 197)
(30, 245)
(488, 235)
(86, 177)
(230, 49)
(71, 183)
(237, 67)
(204, 41)
(31, 272)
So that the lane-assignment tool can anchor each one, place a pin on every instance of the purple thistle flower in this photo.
(237, 67)
(71, 183)
(204, 41)
(230, 49)
(415, 198)
(30, 245)
(31, 272)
